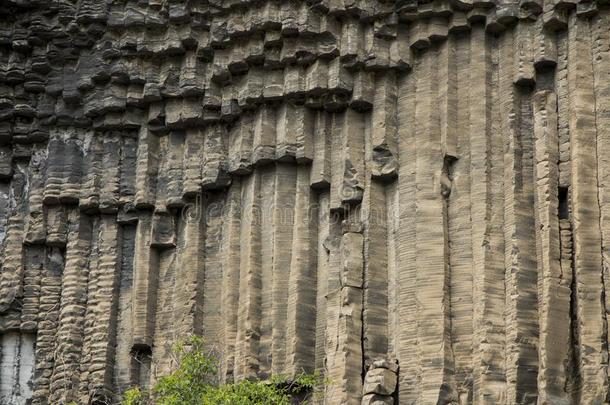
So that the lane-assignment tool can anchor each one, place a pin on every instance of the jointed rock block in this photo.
(410, 198)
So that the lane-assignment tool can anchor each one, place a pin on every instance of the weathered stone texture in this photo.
(411, 198)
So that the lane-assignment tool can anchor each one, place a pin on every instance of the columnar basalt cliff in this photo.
(411, 198)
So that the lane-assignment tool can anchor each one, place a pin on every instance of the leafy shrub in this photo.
(134, 396)
(193, 384)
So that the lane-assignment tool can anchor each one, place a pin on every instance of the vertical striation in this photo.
(410, 198)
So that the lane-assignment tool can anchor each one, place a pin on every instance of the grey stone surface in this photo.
(411, 198)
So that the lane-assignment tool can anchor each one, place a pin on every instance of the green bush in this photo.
(193, 383)
(134, 396)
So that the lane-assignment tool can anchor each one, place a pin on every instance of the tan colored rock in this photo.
(351, 252)
(401, 196)
(379, 381)
(374, 399)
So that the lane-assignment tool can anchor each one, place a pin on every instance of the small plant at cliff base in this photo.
(192, 384)
(134, 396)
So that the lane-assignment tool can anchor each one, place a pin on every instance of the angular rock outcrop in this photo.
(311, 186)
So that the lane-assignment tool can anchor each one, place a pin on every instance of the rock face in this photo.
(412, 199)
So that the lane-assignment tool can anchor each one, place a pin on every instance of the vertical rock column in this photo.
(406, 339)
(565, 209)
(102, 306)
(601, 71)
(144, 294)
(554, 284)
(345, 364)
(50, 295)
(381, 147)
(591, 345)
(301, 308)
(122, 371)
(489, 381)
(283, 220)
(147, 167)
(434, 355)
(11, 251)
(70, 333)
(230, 282)
(521, 313)
(323, 281)
(33, 262)
(34, 239)
(247, 362)
(165, 242)
(322, 141)
(270, 235)
(459, 227)
(334, 269)
(375, 312)
(210, 264)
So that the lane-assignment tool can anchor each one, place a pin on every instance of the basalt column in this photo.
(410, 199)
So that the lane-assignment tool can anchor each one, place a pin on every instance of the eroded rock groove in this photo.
(410, 198)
